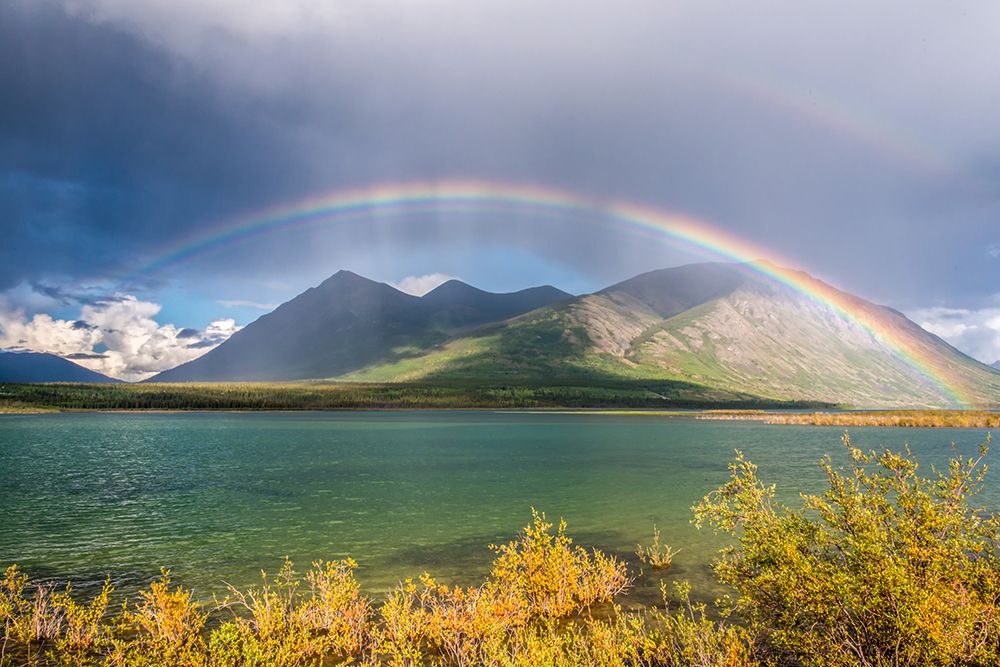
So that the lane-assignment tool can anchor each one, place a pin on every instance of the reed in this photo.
(656, 554)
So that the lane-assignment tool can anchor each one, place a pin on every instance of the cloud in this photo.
(118, 337)
(240, 303)
(185, 25)
(86, 355)
(975, 332)
(420, 285)
(130, 127)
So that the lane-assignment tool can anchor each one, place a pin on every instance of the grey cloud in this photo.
(137, 126)
(86, 355)
(203, 344)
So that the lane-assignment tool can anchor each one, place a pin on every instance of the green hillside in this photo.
(714, 325)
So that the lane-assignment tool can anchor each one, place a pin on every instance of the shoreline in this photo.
(905, 418)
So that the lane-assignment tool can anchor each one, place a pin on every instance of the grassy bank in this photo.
(884, 568)
(347, 396)
(901, 418)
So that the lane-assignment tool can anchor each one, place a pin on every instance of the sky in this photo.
(857, 141)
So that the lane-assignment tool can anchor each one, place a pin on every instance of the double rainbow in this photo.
(477, 196)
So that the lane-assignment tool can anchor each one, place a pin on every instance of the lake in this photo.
(218, 496)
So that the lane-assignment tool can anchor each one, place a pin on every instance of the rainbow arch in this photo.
(462, 196)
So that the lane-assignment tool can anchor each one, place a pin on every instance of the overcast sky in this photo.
(858, 140)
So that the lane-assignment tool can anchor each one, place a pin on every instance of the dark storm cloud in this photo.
(857, 140)
(109, 146)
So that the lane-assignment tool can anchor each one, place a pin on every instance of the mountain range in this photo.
(724, 328)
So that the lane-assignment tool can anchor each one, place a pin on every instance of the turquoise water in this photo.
(218, 496)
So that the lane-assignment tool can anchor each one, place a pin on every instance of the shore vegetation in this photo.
(316, 395)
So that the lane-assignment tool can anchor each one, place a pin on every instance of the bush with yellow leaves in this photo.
(551, 576)
(886, 568)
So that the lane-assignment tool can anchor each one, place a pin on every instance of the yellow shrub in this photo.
(85, 632)
(279, 624)
(402, 636)
(887, 567)
(165, 627)
(27, 621)
(551, 576)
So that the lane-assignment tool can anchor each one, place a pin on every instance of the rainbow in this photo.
(460, 196)
(854, 123)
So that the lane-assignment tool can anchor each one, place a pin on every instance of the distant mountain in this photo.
(996, 365)
(41, 367)
(723, 327)
(349, 322)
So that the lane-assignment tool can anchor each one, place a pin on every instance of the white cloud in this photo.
(118, 337)
(420, 285)
(240, 303)
(975, 332)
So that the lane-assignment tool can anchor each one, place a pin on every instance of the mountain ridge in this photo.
(724, 327)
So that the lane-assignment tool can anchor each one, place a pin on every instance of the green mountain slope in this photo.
(719, 326)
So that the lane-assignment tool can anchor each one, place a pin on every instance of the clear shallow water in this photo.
(218, 496)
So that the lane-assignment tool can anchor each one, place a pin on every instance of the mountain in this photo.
(710, 331)
(724, 327)
(349, 322)
(996, 365)
(41, 367)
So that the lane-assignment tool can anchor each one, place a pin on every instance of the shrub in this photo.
(28, 620)
(885, 568)
(551, 576)
(536, 577)
(689, 638)
(164, 627)
(279, 624)
(85, 635)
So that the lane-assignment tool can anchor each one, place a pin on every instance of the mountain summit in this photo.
(349, 322)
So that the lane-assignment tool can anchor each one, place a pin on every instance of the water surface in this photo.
(218, 496)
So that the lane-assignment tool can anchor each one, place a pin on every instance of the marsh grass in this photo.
(884, 418)
(656, 554)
